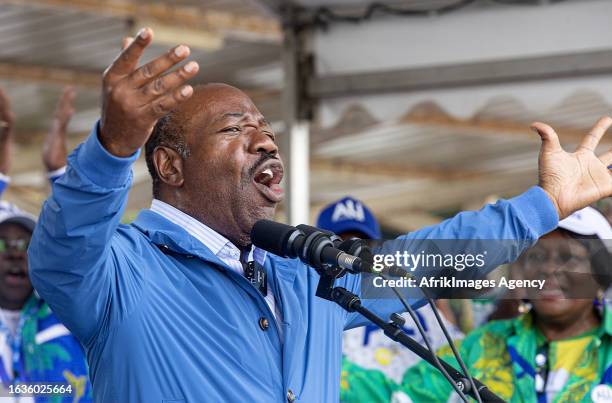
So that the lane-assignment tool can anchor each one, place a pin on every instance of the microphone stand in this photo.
(352, 303)
(312, 247)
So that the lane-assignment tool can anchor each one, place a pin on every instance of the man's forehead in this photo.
(246, 114)
(217, 102)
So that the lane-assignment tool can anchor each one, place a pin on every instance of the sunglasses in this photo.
(18, 245)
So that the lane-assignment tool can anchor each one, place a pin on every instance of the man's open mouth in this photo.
(267, 180)
(15, 276)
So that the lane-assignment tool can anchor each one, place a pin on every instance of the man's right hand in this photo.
(133, 98)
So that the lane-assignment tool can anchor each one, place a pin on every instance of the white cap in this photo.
(9, 213)
(588, 221)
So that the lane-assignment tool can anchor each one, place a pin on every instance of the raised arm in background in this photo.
(54, 150)
(7, 123)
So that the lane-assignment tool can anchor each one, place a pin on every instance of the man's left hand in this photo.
(574, 180)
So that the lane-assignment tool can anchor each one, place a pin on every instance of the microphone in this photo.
(336, 240)
(355, 247)
(314, 247)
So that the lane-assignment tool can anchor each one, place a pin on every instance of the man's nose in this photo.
(14, 254)
(262, 143)
(15, 251)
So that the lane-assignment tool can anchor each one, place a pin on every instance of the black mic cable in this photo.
(453, 348)
(427, 343)
(456, 354)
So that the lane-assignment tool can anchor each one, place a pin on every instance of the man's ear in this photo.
(169, 166)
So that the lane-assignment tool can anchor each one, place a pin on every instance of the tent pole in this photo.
(295, 145)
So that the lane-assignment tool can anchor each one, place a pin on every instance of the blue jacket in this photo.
(162, 319)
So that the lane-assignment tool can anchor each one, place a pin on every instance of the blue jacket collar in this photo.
(166, 234)
(172, 237)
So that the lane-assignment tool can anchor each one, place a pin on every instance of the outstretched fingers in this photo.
(135, 97)
(164, 104)
(156, 68)
(591, 140)
(167, 83)
(550, 139)
(128, 59)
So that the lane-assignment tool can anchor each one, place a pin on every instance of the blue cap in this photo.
(348, 214)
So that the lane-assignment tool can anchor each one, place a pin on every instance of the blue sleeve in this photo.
(72, 265)
(4, 181)
(519, 222)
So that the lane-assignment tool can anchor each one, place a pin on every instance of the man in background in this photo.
(34, 346)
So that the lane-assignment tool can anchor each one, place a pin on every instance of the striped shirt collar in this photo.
(219, 245)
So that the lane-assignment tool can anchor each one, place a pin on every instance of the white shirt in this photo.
(219, 246)
(10, 319)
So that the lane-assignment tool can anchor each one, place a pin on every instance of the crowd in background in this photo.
(550, 345)
(548, 349)
(34, 345)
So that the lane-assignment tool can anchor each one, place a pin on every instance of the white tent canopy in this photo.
(420, 116)
(467, 36)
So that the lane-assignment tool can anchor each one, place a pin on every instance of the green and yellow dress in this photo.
(502, 355)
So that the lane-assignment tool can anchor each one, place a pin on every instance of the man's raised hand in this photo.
(134, 98)
(574, 180)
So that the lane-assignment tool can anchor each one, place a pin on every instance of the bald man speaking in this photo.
(167, 308)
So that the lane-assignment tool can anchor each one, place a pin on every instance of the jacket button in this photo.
(290, 396)
(264, 324)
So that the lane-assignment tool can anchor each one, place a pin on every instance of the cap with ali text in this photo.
(349, 215)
